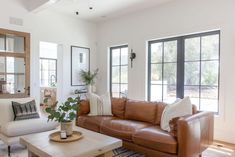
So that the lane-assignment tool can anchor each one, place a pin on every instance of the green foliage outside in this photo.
(209, 69)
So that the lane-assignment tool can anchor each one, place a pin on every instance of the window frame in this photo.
(42, 58)
(25, 55)
(120, 65)
(181, 63)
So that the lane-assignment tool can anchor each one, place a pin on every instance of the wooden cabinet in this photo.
(14, 64)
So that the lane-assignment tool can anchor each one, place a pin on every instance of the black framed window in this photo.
(48, 72)
(185, 66)
(119, 71)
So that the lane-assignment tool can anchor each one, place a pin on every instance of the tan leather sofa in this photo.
(137, 123)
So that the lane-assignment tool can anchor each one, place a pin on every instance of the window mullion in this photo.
(149, 70)
(5, 59)
(180, 68)
(200, 73)
(120, 70)
(111, 72)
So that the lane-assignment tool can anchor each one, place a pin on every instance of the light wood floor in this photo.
(217, 150)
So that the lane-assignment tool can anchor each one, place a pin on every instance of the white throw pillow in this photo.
(177, 109)
(94, 104)
(100, 105)
(106, 104)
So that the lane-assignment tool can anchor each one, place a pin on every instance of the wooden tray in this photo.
(56, 137)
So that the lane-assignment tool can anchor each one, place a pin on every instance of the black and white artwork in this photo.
(80, 60)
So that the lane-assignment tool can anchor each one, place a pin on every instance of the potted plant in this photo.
(65, 114)
(88, 78)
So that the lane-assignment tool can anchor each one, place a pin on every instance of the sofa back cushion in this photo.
(84, 108)
(118, 107)
(141, 111)
(159, 110)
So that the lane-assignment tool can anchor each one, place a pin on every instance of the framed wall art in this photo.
(80, 60)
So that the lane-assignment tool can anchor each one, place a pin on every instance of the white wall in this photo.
(50, 27)
(173, 19)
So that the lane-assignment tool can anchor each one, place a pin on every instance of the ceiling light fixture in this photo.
(90, 5)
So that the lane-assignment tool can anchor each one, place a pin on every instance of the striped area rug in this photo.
(123, 152)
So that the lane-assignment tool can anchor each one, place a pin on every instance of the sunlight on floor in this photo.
(218, 151)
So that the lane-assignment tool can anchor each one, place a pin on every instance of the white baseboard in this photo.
(224, 135)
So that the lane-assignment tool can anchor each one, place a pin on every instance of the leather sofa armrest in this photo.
(195, 134)
(83, 109)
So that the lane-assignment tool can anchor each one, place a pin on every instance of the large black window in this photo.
(185, 66)
(119, 71)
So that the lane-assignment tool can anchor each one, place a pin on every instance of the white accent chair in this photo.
(11, 131)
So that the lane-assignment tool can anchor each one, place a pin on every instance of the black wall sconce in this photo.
(132, 57)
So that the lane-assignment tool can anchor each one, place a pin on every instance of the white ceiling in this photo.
(102, 9)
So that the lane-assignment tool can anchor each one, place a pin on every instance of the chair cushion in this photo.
(29, 126)
(155, 138)
(140, 111)
(123, 129)
(118, 107)
(91, 122)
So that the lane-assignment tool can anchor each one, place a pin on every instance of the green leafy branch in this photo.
(88, 77)
(65, 112)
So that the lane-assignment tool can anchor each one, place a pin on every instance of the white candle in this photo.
(63, 134)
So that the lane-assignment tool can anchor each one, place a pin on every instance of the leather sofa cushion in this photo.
(159, 110)
(84, 108)
(154, 138)
(140, 111)
(91, 122)
(118, 107)
(123, 129)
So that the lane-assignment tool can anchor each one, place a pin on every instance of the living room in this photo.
(144, 31)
